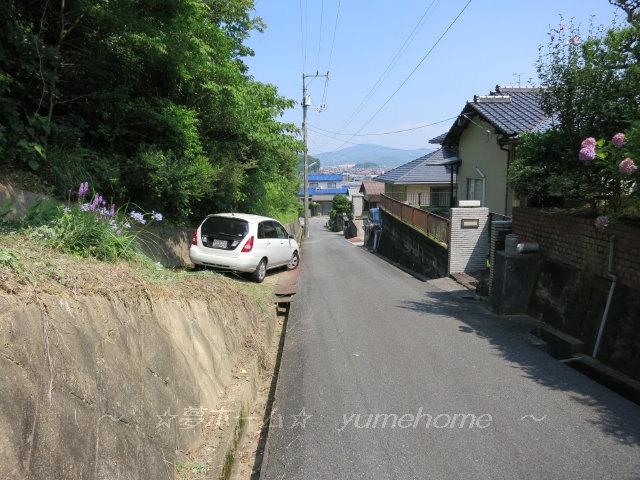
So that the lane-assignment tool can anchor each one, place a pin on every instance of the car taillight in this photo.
(194, 240)
(249, 245)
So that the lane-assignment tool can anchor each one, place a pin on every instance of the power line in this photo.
(333, 43)
(303, 52)
(320, 34)
(414, 69)
(385, 133)
(392, 63)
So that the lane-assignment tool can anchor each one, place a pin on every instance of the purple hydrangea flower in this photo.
(618, 140)
(138, 217)
(126, 225)
(589, 143)
(602, 222)
(83, 190)
(627, 166)
(157, 216)
(112, 210)
(85, 207)
(587, 154)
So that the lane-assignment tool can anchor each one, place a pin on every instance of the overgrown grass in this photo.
(87, 235)
(10, 260)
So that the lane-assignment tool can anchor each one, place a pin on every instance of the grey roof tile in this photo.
(427, 169)
(522, 113)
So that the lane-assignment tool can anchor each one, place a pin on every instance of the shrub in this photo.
(90, 229)
(340, 206)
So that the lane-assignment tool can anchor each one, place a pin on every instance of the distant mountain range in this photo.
(378, 154)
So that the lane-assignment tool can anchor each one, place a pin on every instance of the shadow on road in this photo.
(505, 333)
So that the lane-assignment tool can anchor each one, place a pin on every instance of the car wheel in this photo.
(197, 267)
(260, 271)
(294, 262)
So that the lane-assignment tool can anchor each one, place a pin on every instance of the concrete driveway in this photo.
(387, 377)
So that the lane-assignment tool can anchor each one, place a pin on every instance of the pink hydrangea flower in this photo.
(618, 140)
(602, 222)
(587, 154)
(589, 143)
(627, 166)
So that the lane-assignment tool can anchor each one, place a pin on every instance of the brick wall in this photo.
(575, 241)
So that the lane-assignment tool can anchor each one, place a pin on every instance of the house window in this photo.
(313, 184)
(440, 196)
(331, 184)
(475, 187)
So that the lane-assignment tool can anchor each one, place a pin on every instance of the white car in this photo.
(243, 243)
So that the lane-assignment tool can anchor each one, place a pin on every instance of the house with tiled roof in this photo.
(424, 182)
(371, 192)
(484, 138)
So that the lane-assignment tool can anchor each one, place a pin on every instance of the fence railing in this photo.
(433, 225)
(434, 198)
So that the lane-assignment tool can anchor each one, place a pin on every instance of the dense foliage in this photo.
(339, 206)
(592, 82)
(149, 100)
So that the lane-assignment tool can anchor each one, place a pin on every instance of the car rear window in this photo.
(233, 227)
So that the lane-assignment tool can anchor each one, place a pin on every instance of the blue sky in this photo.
(490, 42)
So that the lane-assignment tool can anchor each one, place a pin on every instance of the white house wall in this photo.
(481, 150)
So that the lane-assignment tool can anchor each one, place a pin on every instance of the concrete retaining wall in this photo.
(573, 301)
(411, 248)
(87, 382)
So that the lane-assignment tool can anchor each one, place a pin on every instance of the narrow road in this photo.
(387, 377)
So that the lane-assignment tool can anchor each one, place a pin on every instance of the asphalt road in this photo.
(378, 369)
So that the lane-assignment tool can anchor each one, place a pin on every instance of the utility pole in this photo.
(306, 103)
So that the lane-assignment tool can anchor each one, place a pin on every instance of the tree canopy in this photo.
(149, 100)
(591, 82)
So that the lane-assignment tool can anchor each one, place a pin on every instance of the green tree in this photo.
(149, 100)
(339, 206)
(591, 82)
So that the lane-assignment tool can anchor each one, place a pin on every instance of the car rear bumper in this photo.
(241, 263)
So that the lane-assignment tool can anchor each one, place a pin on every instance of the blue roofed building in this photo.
(325, 180)
(322, 188)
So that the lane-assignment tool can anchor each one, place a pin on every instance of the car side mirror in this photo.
(292, 237)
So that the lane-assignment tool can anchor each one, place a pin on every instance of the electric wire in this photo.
(392, 63)
(413, 71)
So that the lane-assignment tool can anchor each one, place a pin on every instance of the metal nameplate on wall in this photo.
(469, 223)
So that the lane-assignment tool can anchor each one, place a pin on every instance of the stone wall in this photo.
(575, 241)
(572, 285)
(573, 301)
(411, 248)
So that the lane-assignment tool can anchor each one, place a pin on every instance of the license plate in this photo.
(219, 243)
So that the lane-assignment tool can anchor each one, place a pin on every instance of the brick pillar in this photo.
(469, 239)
